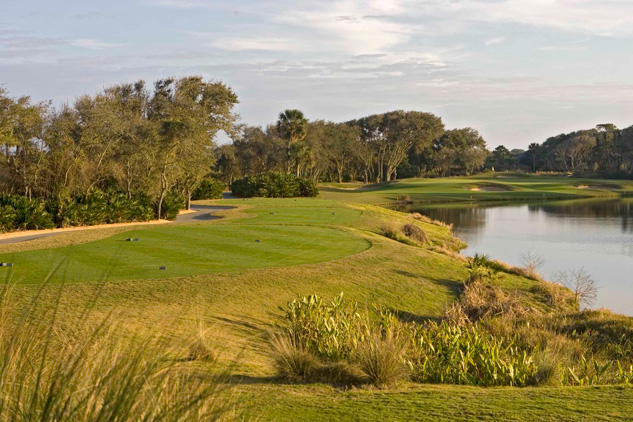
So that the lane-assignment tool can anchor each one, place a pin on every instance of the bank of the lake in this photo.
(594, 234)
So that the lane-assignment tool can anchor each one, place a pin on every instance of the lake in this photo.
(594, 234)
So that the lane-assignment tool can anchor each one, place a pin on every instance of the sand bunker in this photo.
(600, 187)
(490, 188)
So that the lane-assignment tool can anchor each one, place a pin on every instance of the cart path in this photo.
(201, 213)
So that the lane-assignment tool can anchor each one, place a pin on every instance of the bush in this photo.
(172, 204)
(415, 233)
(451, 354)
(325, 341)
(331, 331)
(481, 268)
(274, 185)
(404, 198)
(101, 208)
(20, 213)
(208, 189)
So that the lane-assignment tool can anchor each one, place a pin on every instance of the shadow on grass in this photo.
(454, 287)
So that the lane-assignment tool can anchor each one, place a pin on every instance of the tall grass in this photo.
(452, 354)
(381, 357)
(83, 368)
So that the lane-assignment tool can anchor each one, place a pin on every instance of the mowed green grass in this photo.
(442, 404)
(233, 286)
(184, 250)
(513, 187)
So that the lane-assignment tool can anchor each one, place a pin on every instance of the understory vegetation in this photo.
(492, 336)
(19, 213)
(274, 185)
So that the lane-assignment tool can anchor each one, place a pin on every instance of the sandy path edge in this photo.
(25, 233)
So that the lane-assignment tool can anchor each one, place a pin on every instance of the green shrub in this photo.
(100, 208)
(20, 213)
(172, 204)
(331, 331)
(208, 189)
(450, 354)
(415, 233)
(481, 268)
(404, 198)
(273, 185)
(7, 218)
(329, 342)
(307, 188)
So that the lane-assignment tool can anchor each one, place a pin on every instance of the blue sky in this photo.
(516, 70)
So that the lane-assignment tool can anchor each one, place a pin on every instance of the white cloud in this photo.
(352, 26)
(599, 17)
(496, 40)
(92, 44)
(258, 44)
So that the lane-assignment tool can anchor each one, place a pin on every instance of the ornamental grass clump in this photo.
(381, 357)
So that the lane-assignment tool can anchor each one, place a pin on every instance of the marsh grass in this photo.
(293, 361)
(381, 357)
(85, 369)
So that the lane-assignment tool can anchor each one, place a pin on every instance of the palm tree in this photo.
(292, 126)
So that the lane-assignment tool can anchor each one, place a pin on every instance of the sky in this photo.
(518, 71)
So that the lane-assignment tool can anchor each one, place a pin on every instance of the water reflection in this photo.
(620, 209)
(594, 234)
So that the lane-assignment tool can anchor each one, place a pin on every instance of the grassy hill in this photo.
(480, 187)
(223, 286)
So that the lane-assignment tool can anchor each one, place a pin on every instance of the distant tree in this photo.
(342, 143)
(388, 138)
(501, 159)
(463, 150)
(292, 126)
(607, 127)
(22, 127)
(189, 113)
(531, 156)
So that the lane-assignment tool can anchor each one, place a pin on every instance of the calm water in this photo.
(594, 234)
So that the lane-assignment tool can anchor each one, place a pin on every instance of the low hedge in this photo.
(17, 212)
(274, 185)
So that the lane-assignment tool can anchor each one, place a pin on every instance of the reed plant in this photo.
(84, 368)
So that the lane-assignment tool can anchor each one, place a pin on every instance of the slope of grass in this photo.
(230, 287)
(505, 187)
(443, 404)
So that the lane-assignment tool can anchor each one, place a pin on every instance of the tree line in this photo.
(371, 149)
(129, 138)
(604, 151)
